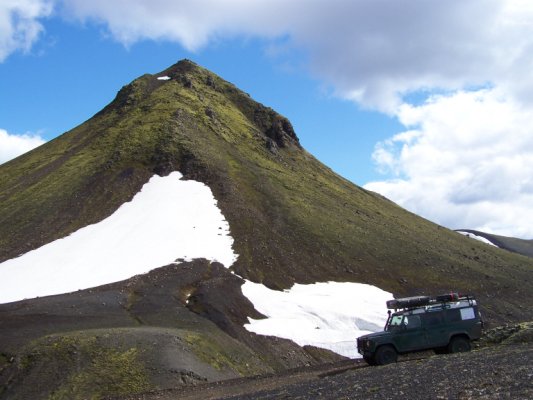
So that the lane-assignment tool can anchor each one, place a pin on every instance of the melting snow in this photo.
(477, 237)
(163, 78)
(330, 315)
(168, 219)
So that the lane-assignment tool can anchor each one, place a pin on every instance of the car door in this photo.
(435, 327)
(410, 336)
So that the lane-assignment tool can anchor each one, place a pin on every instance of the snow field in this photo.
(168, 219)
(477, 237)
(163, 78)
(329, 315)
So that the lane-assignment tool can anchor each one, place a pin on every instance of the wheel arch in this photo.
(459, 334)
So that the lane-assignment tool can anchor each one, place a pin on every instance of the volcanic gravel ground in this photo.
(498, 372)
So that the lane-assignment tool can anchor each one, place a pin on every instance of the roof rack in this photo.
(422, 301)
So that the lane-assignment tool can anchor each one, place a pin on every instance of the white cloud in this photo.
(12, 145)
(371, 51)
(466, 162)
(19, 25)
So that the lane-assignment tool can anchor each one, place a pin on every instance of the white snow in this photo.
(477, 237)
(168, 219)
(163, 78)
(330, 315)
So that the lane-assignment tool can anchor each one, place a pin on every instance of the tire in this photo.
(459, 344)
(369, 360)
(385, 355)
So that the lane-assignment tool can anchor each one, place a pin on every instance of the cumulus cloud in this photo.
(370, 51)
(12, 146)
(466, 160)
(19, 24)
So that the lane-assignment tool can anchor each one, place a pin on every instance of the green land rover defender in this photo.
(446, 324)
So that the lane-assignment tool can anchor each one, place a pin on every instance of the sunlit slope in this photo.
(292, 218)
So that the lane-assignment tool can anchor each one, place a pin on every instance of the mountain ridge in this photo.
(512, 244)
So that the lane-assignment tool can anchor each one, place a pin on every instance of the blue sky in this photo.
(75, 70)
(426, 102)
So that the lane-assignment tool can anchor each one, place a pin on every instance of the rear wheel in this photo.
(385, 355)
(459, 344)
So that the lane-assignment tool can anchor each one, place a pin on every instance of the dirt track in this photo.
(497, 372)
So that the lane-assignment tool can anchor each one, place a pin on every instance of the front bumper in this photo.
(364, 347)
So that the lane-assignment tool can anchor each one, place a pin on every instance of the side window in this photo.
(396, 320)
(412, 321)
(453, 315)
(432, 319)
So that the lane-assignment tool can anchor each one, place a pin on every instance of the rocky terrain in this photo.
(499, 368)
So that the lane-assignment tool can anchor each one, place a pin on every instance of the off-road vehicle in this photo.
(446, 323)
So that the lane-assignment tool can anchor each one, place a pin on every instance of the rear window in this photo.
(467, 313)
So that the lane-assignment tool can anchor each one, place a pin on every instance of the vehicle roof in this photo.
(438, 307)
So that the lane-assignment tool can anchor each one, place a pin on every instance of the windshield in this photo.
(394, 322)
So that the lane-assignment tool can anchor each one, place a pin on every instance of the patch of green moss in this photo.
(215, 354)
(111, 372)
(86, 368)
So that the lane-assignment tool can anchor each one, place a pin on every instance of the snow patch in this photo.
(330, 315)
(477, 237)
(163, 78)
(168, 219)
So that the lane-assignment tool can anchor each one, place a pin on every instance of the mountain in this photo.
(292, 220)
(515, 245)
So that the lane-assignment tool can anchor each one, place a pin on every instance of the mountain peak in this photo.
(188, 86)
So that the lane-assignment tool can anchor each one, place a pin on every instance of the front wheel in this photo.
(385, 355)
(459, 344)
(369, 360)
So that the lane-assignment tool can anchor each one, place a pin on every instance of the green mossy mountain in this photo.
(292, 218)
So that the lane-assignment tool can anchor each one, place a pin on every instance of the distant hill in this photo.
(292, 220)
(515, 245)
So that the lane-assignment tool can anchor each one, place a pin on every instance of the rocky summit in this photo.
(292, 219)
